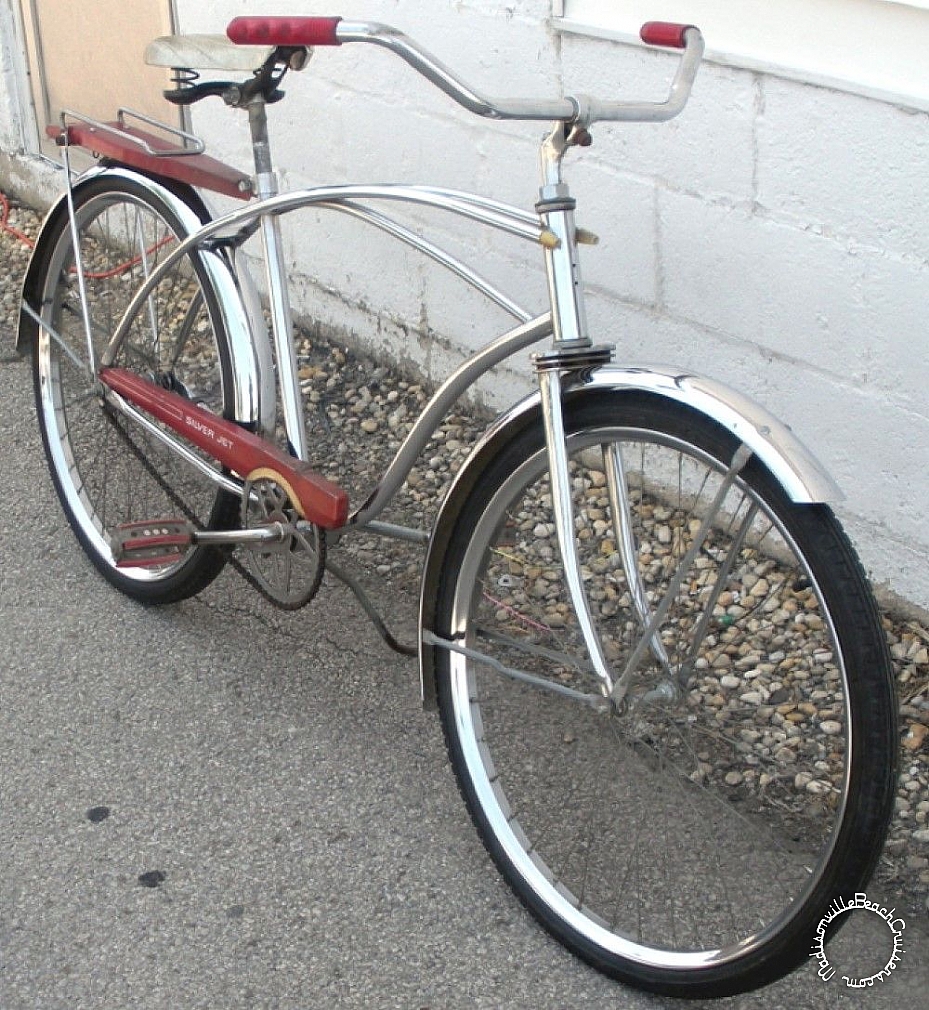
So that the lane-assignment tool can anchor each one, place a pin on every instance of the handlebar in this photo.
(334, 31)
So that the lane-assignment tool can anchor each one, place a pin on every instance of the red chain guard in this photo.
(315, 498)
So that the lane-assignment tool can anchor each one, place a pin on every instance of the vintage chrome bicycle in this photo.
(660, 671)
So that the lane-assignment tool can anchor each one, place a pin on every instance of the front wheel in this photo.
(690, 838)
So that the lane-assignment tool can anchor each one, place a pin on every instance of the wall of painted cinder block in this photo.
(774, 236)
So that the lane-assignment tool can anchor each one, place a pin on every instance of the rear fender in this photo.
(249, 346)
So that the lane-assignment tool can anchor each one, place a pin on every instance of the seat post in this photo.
(265, 178)
(276, 276)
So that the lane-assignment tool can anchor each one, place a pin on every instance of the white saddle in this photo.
(204, 52)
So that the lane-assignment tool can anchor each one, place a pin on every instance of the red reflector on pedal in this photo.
(151, 543)
(294, 31)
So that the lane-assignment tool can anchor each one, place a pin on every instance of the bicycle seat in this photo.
(204, 52)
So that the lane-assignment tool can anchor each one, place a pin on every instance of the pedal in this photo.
(151, 543)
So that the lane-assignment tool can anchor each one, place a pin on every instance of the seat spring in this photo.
(184, 77)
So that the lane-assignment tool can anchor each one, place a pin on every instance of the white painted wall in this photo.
(775, 236)
(11, 138)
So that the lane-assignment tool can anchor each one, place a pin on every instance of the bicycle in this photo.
(660, 671)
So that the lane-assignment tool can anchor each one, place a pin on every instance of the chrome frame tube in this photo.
(434, 252)
(505, 210)
(341, 198)
(497, 216)
(461, 379)
(530, 330)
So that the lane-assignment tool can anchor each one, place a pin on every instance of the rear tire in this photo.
(690, 841)
(107, 470)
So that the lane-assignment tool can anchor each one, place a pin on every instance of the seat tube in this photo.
(276, 277)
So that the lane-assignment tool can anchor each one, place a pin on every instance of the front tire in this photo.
(690, 840)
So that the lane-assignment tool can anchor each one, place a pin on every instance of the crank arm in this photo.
(157, 542)
(273, 533)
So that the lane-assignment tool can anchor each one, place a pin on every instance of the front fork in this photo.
(563, 511)
(571, 352)
(574, 354)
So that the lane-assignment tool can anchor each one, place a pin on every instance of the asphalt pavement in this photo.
(219, 805)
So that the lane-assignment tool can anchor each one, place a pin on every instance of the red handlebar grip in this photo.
(664, 33)
(284, 31)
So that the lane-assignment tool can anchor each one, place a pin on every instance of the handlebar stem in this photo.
(562, 265)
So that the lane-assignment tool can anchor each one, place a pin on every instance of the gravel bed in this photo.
(358, 412)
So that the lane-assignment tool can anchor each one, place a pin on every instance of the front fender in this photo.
(247, 335)
(803, 478)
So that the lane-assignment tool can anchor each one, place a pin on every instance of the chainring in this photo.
(288, 571)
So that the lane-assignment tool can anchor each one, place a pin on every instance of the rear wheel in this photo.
(690, 838)
(107, 469)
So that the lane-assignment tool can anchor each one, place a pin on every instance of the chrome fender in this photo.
(803, 478)
(249, 346)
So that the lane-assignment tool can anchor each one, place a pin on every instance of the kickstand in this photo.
(368, 607)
